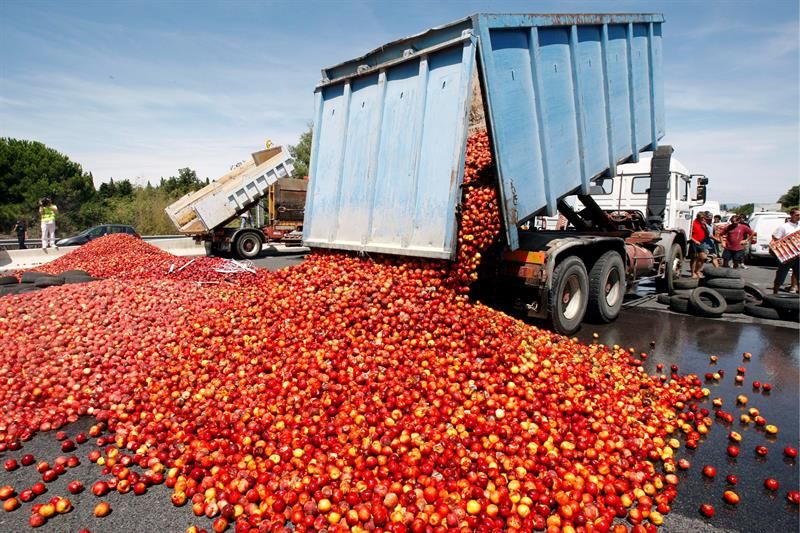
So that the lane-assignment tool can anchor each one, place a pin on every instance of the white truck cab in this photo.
(629, 189)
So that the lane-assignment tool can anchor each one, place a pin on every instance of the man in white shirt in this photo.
(787, 228)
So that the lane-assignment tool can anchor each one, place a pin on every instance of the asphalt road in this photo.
(689, 342)
(678, 339)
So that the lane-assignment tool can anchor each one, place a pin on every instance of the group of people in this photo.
(709, 235)
(710, 240)
(47, 214)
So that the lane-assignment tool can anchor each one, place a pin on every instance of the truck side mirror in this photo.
(700, 194)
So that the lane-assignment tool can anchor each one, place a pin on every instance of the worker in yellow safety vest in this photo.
(47, 212)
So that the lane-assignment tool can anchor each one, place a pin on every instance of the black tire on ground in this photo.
(724, 283)
(569, 295)
(672, 270)
(30, 277)
(663, 298)
(606, 287)
(707, 302)
(74, 273)
(28, 289)
(719, 272)
(685, 283)
(8, 280)
(761, 312)
(753, 294)
(48, 282)
(783, 302)
(734, 308)
(732, 295)
(679, 304)
(791, 316)
(248, 245)
(68, 280)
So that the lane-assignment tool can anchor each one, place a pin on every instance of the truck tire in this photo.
(8, 280)
(672, 270)
(606, 287)
(679, 304)
(663, 298)
(52, 281)
(725, 283)
(753, 294)
(731, 295)
(31, 276)
(707, 303)
(685, 283)
(74, 273)
(569, 295)
(791, 316)
(248, 245)
(761, 312)
(25, 290)
(734, 308)
(70, 279)
(782, 302)
(720, 272)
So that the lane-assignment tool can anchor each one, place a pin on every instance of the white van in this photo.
(764, 224)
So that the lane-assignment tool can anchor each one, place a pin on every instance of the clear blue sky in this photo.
(136, 90)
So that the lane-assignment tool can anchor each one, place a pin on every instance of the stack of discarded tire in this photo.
(723, 291)
(35, 281)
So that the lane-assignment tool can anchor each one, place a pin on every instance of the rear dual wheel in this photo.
(576, 292)
(569, 295)
(606, 287)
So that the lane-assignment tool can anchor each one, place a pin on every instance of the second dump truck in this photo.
(212, 214)
(564, 99)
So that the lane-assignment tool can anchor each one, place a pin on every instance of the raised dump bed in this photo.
(565, 99)
(221, 201)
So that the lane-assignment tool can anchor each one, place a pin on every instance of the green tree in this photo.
(791, 198)
(107, 189)
(744, 210)
(186, 181)
(125, 188)
(301, 152)
(29, 170)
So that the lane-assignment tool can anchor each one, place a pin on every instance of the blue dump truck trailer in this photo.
(564, 99)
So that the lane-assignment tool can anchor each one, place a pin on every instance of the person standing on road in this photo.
(787, 228)
(736, 234)
(717, 231)
(712, 241)
(697, 244)
(21, 229)
(47, 212)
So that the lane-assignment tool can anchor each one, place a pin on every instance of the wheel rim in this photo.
(613, 288)
(248, 245)
(677, 264)
(571, 297)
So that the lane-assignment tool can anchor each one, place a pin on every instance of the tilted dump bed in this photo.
(224, 199)
(567, 97)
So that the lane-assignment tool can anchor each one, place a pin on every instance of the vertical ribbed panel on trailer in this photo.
(569, 96)
(388, 152)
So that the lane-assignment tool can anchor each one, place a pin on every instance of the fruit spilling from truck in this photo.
(564, 101)
(345, 392)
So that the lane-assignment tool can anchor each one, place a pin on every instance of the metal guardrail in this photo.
(34, 244)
